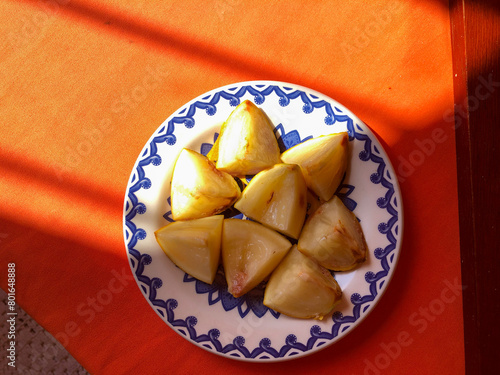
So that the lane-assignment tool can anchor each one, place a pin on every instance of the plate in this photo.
(243, 328)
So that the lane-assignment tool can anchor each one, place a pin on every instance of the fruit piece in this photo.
(301, 288)
(323, 161)
(333, 237)
(247, 143)
(276, 197)
(250, 252)
(199, 189)
(194, 245)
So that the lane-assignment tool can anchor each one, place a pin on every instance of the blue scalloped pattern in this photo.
(237, 348)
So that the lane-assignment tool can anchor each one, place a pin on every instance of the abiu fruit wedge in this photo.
(199, 189)
(323, 161)
(246, 144)
(250, 252)
(277, 198)
(194, 246)
(333, 236)
(301, 288)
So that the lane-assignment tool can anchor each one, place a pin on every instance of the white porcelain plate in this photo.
(243, 328)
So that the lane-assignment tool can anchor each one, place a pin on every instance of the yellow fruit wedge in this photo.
(247, 143)
(194, 246)
(323, 161)
(333, 236)
(198, 189)
(276, 197)
(250, 252)
(301, 288)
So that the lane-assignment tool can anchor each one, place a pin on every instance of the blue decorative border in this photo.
(165, 308)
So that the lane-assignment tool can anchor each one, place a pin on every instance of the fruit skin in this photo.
(194, 246)
(301, 288)
(276, 197)
(198, 189)
(247, 144)
(333, 236)
(323, 161)
(250, 252)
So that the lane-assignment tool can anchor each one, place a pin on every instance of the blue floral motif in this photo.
(288, 140)
(266, 349)
(217, 292)
(343, 192)
(206, 147)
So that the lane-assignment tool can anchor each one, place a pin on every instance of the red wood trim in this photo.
(475, 31)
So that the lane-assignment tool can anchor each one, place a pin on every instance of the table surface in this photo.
(77, 113)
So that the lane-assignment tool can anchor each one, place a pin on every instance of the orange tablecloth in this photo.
(84, 84)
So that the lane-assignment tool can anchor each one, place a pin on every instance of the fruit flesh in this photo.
(250, 252)
(194, 246)
(333, 237)
(301, 288)
(199, 189)
(323, 161)
(276, 197)
(247, 143)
